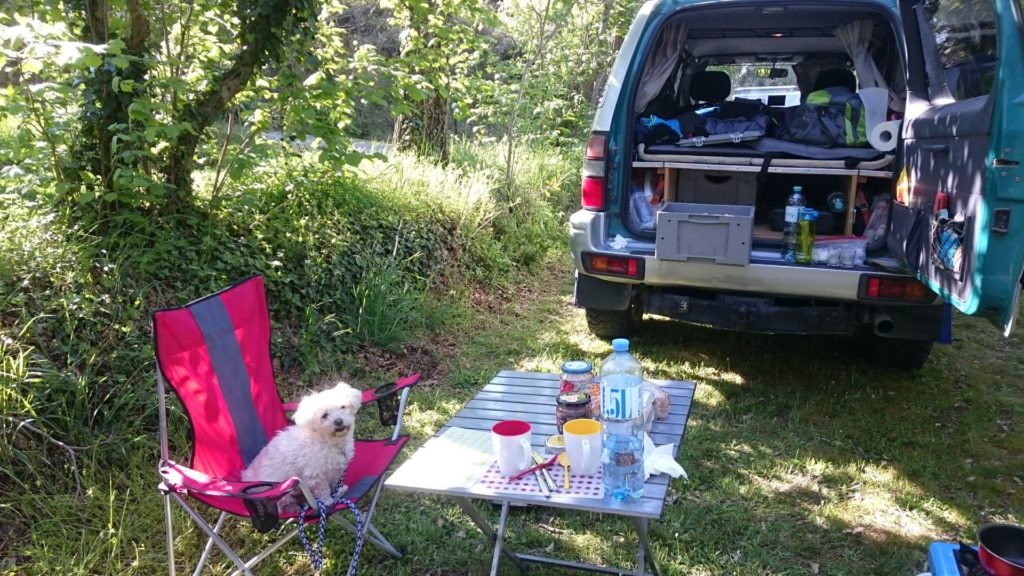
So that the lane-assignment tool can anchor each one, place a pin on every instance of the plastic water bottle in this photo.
(805, 235)
(622, 423)
(793, 204)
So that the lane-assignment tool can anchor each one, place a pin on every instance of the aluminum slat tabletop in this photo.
(530, 396)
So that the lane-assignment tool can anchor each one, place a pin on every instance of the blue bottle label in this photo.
(620, 396)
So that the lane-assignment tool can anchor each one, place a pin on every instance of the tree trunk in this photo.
(105, 107)
(425, 131)
(200, 113)
(259, 38)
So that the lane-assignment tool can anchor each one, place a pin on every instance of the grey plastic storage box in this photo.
(716, 187)
(715, 232)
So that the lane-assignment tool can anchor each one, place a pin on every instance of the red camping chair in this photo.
(215, 353)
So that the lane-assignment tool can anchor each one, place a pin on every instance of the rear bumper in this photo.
(765, 313)
(589, 232)
(759, 297)
(755, 314)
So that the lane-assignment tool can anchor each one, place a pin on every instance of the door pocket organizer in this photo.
(947, 243)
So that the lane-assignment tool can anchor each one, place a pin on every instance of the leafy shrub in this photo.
(349, 260)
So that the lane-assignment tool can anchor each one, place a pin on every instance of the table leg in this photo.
(498, 537)
(645, 547)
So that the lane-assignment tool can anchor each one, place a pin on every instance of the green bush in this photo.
(532, 208)
(351, 261)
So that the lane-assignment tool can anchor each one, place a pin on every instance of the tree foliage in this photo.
(441, 44)
(123, 102)
(135, 106)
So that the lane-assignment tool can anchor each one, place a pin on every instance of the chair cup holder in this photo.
(262, 512)
(387, 404)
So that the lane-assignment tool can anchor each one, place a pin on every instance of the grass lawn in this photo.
(802, 458)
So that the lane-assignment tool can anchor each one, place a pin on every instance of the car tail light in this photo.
(626, 266)
(592, 196)
(903, 188)
(894, 288)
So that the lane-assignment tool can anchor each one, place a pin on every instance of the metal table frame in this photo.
(530, 396)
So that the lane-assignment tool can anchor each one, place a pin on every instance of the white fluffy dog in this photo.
(317, 447)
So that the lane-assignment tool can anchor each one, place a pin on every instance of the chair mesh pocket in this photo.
(262, 512)
(387, 404)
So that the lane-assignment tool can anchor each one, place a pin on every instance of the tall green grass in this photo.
(368, 260)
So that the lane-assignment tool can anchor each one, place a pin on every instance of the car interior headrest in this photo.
(835, 77)
(710, 86)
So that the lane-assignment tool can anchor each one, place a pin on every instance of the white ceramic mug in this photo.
(583, 444)
(511, 442)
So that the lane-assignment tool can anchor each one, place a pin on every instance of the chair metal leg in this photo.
(209, 545)
(368, 518)
(372, 536)
(370, 532)
(205, 526)
(270, 550)
(169, 525)
(383, 543)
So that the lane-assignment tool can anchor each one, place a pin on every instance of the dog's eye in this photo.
(323, 416)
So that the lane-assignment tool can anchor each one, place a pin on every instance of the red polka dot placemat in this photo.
(579, 486)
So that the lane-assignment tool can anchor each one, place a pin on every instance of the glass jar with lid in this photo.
(576, 376)
(571, 406)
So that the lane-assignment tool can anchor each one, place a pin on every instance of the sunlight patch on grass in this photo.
(709, 397)
(864, 499)
(421, 420)
(542, 363)
(689, 370)
(883, 502)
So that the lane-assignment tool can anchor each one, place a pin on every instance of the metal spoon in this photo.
(563, 459)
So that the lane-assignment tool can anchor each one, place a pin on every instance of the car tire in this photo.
(900, 353)
(610, 324)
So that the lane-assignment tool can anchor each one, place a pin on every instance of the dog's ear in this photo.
(357, 399)
(304, 411)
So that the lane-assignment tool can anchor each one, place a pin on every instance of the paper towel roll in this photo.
(876, 105)
(884, 135)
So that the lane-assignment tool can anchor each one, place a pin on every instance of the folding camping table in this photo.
(530, 396)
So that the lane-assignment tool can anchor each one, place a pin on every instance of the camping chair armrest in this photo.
(372, 395)
(178, 478)
(390, 409)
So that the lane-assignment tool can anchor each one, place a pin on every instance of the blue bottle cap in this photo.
(620, 345)
(577, 367)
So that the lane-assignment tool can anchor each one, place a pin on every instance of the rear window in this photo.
(965, 36)
(747, 84)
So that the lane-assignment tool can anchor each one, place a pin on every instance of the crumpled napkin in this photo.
(618, 242)
(658, 459)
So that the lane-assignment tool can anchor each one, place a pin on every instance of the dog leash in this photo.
(316, 552)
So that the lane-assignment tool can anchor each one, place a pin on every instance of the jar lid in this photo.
(577, 367)
(573, 399)
(555, 444)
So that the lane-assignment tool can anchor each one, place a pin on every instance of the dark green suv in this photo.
(914, 170)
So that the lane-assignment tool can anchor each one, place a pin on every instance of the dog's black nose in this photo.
(339, 423)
